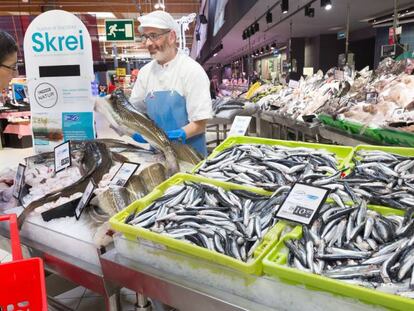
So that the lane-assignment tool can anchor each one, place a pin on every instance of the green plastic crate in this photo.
(274, 264)
(328, 120)
(343, 153)
(131, 232)
(395, 137)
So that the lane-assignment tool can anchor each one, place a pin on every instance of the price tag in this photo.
(302, 203)
(339, 74)
(371, 97)
(124, 173)
(19, 181)
(62, 156)
(240, 126)
(86, 197)
(293, 84)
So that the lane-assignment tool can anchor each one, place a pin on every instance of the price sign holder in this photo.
(124, 173)
(240, 126)
(62, 156)
(302, 203)
(86, 197)
(371, 97)
(19, 181)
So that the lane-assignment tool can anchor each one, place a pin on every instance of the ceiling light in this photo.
(284, 5)
(269, 17)
(252, 30)
(273, 46)
(261, 51)
(327, 4)
(267, 48)
(215, 54)
(102, 14)
(256, 27)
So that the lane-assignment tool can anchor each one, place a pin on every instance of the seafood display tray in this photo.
(274, 265)
(404, 151)
(254, 266)
(343, 153)
(395, 137)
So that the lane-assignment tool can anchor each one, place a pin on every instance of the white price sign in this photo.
(86, 197)
(18, 181)
(124, 173)
(302, 203)
(293, 84)
(240, 126)
(62, 157)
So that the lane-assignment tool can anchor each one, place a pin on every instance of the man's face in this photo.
(159, 42)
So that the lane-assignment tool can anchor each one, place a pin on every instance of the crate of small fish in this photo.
(383, 176)
(354, 251)
(270, 163)
(232, 225)
(395, 137)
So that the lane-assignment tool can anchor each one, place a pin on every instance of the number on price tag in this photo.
(124, 174)
(302, 203)
(19, 181)
(62, 156)
(240, 126)
(371, 97)
(86, 197)
(293, 84)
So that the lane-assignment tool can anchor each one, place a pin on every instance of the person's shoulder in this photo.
(146, 68)
(188, 62)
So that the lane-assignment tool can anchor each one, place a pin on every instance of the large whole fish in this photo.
(96, 162)
(231, 222)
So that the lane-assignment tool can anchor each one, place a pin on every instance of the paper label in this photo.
(19, 181)
(124, 173)
(293, 84)
(86, 197)
(339, 74)
(371, 97)
(240, 126)
(302, 203)
(62, 156)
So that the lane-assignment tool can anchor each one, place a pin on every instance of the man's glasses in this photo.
(153, 36)
(12, 68)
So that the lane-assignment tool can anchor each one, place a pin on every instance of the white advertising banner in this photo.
(60, 79)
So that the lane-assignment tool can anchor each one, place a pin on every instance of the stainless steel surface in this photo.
(143, 304)
(78, 271)
(170, 289)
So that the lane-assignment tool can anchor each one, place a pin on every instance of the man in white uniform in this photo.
(174, 88)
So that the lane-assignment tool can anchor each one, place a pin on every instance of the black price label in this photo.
(86, 197)
(62, 156)
(19, 181)
(302, 203)
(124, 173)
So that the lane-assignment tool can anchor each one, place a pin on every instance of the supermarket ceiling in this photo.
(302, 26)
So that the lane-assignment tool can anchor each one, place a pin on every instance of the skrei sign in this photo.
(47, 42)
(59, 70)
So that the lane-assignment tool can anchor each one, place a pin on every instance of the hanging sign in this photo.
(302, 203)
(19, 181)
(124, 174)
(119, 29)
(240, 126)
(86, 197)
(62, 157)
(59, 70)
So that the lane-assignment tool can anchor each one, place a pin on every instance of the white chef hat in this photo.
(158, 19)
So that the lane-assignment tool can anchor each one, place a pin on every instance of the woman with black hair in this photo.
(8, 59)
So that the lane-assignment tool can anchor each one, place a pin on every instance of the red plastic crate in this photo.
(22, 281)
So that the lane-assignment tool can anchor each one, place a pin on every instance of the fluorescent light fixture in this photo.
(284, 6)
(102, 14)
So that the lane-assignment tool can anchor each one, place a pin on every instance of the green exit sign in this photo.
(119, 29)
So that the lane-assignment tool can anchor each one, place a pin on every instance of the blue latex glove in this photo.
(177, 135)
(138, 138)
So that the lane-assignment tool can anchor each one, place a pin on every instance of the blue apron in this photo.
(169, 111)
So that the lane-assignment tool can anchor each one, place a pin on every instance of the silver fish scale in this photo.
(231, 222)
(383, 178)
(358, 245)
(271, 167)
